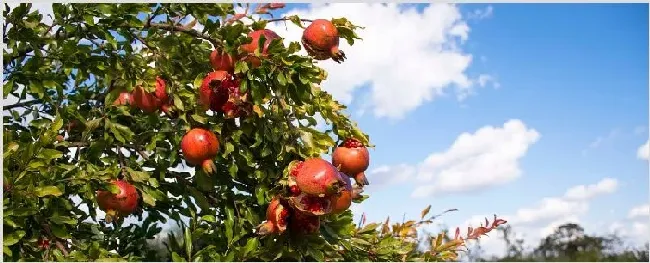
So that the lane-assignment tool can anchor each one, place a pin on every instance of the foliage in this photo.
(68, 73)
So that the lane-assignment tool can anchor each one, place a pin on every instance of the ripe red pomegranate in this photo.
(116, 205)
(318, 177)
(125, 98)
(311, 204)
(343, 201)
(220, 92)
(321, 41)
(161, 91)
(352, 158)
(145, 101)
(277, 214)
(199, 147)
(250, 48)
(222, 61)
(301, 223)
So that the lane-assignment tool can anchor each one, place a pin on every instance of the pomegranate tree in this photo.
(199, 147)
(234, 105)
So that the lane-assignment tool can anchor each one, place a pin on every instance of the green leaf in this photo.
(138, 176)
(251, 245)
(64, 220)
(148, 199)
(187, 235)
(48, 190)
(50, 154)
(12, 238)
(199, 198)
(209, 218)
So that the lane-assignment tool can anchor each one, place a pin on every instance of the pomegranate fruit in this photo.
(124, 98)
(343, 201)
(318, 177)
(145, 101)
(199, 147)
(220, 92)
(311, 204)
(301, 223)
(352, 158)
(161, 91)
(222, 61)
(321, 41)
(277, 214)
(121, 204)
(361, 179)
(250, 48)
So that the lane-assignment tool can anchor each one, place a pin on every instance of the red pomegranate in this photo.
(352, 158)
(199, 147)
(124, 98)
(220, 92)
(343, 201)
(161, 90)
(361, 179)
(145, 101)
(301, 223)
(321, 41)
(311, 204)
(116, 205)
(318, 177)
(250, 48)
(222, 61)
(277, 214)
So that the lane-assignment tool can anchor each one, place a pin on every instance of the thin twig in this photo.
(288, 19)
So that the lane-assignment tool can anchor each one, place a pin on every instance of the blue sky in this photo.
(540, 108)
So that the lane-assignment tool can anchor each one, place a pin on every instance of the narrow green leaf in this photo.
(12, 238)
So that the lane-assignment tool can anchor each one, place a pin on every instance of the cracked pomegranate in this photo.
(321, 41)
(311, 204)
(121, 204)
(277, 214)
(302, 223)
(221, 60)
(199, 147)
(220, 92)
(343, 201)
(352, 158)
(250, 48)
(318, 177)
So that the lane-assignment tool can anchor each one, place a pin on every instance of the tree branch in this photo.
(288, 19)
(21, 104)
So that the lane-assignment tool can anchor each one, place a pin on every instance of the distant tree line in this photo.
(568, 243)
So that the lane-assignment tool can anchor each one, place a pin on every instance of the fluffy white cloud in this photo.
(573, 203)
(639, 211)
(485, 158)
(643, 151)
(585, 192)
(407, 57)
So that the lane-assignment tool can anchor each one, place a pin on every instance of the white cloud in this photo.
(602, 139)
(643, 151)
(582, 192)
(485, 158)
(481, 13)
(390, 175)
(639, 211)
(573, 203)
(397, 53)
